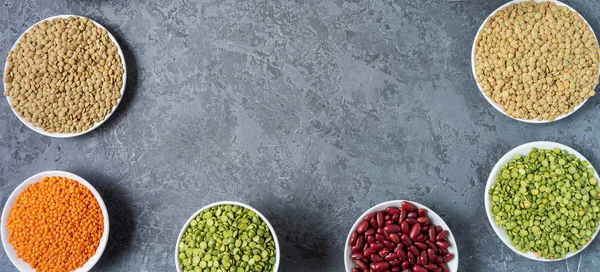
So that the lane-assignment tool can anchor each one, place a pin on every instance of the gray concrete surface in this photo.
(311, 111)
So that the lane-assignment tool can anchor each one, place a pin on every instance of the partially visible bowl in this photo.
(489, 100)
(187, 224)
(523, 150)
(8, 248)
(434, 219)
(96, 125)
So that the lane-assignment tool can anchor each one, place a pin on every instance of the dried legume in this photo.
(227, 238)
(64, 75)
(548, 202)
(537, 60)
(55, 225)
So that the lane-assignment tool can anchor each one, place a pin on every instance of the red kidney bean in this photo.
(383, 252)
(395, 262)
(353, 238)
(432, 245)
(411, 221)
(356, 255)
(448, 257)
(355, 270)
(392, 210)
(362, 227)
(360, 242)
(442, 245)
(356, 248)
(444, 267)
(406, 240)
(412, 215)
(419, 261)
(392, 228)
(438, 229)
(431, 266)
(380, 219)
(381, 231)
(373, 222)
(405, 265)
(421, 245)
(418, 268)
(441, 236)
(423, 220)
(405, 227)
(421, 238)
(439, 259)
(400, 252)
(388, 217)
(403, 214)
(367, 246)
(394, 238)
(424, 228)
(395, 217)
(379, 237)
(376, 246)
(388, 222)
(391, 256)
(443, 251)
(380, 266)
(370, 231)
(424, 258)
(371, 239)
(396, 269)
(408, 206)
(369, 216)
(422, 212)
(411, 258)
(389, 245)
(414, 250)
(431, 235)
(431, 255)
(376, 258)
(369, 251)
(361, 264)
(414, 231)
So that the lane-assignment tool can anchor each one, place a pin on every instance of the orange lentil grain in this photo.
(55, 225)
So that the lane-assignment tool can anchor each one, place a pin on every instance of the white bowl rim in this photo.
(434, 217)
(19, 263)
(96, 125)
(494, 104)
(221, 203)
(523, 150)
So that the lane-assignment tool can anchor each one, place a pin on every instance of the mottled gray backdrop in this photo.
(311, 111)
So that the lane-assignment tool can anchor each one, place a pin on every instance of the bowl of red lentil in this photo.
(34, 241)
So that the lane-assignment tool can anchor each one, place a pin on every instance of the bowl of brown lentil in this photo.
(536, 61)
(54, 221)
(65, 76)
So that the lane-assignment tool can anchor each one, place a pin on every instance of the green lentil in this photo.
(547, 201)
(227, 238)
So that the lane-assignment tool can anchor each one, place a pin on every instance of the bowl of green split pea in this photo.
(543, 201)
(227, 236)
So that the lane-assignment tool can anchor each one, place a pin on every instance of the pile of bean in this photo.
(398, 239)
(537, 60)
(227, 238)
(548, 202)
(64, 75)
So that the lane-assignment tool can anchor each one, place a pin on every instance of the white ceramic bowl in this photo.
(433, 218)
(494, 104)
(68, 135)
(187, 224)
(18, 262)
(523, 150)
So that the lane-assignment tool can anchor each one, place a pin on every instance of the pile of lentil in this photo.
(64, 75)
(548, 202)
(227, 238)
(55, 225)
(537, 60)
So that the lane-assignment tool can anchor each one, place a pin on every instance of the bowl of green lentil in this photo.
(543, 201)
(230, 236)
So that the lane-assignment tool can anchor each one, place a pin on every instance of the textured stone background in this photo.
(311, 111)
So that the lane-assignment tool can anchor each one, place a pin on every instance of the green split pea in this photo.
(548, 202)
(227, 238)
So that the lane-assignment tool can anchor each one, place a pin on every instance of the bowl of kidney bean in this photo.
(400, 235)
